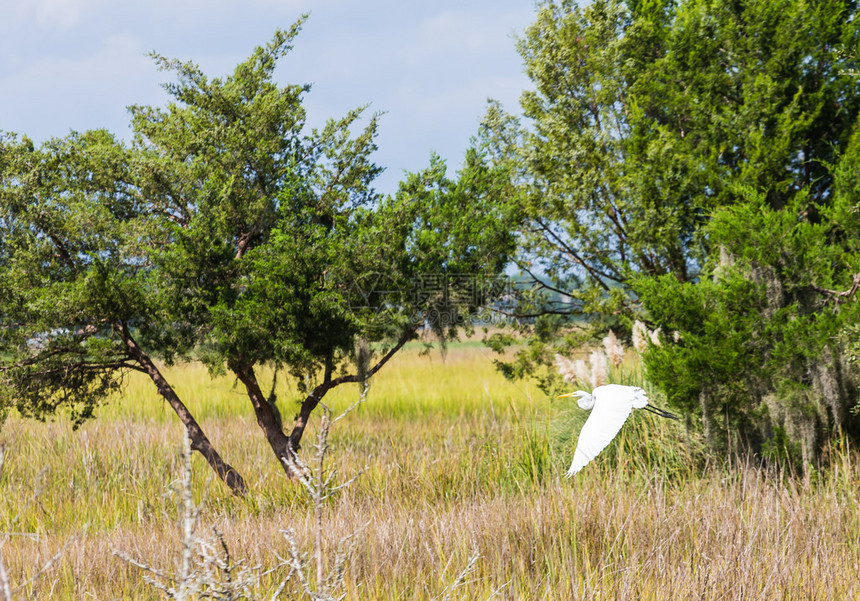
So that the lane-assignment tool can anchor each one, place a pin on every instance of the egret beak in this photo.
(566, 395)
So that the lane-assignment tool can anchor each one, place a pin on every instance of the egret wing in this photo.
(600, 428)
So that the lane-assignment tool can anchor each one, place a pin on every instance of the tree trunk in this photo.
(266, 418)
(199, 440)
(286, 447)
(317, 394)
(308, 405)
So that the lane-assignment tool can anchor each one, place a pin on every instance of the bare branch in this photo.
(144, 567)
(5, 588)
(363, 397)
(595, 273)
(843, 296)
(313, 399)
(45, 567)
(539, 281)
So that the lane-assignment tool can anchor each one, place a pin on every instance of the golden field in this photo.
(458, 462)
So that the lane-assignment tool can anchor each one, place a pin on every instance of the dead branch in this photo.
(843, 296)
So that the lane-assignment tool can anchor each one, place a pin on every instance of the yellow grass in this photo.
(458, 460)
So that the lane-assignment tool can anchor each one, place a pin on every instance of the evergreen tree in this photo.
(662, 135)
(230, 233)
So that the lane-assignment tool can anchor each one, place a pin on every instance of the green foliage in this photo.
(459, 229)
(259, 212)
(776, 369)
(643, 119)
(281, 250)
(758, 354)
(662, 134)
(845, 210)
(67, 272)
(232, 232)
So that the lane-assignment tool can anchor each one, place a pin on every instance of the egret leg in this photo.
(661, 412)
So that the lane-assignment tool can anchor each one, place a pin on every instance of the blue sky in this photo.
(430, 66)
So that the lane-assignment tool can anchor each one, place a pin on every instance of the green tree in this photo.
(228, 232)
(758, 348)
(73, 282)
(760, 355)
(647, 116)
(694, 163)
(767, 344)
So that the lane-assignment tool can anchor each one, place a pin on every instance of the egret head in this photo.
(584, 399)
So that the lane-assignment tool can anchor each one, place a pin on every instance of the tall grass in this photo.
(458, 460)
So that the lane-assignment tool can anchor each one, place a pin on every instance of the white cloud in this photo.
(458, 30)
(51, 95)
(77, 63)
(59, 15)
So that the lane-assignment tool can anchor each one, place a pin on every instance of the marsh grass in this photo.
(458, 461)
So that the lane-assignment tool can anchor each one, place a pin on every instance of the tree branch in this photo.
(242, 244)
(406, 337)
(199, 441)
(566, 249)
(845, 295)
(540, 282)
(313, 399)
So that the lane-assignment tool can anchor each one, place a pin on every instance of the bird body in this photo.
(610, 407)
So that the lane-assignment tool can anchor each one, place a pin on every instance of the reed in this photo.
(458, 462)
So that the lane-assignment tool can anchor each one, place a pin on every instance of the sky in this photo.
(430, 66)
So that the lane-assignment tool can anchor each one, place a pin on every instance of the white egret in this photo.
(610, 406)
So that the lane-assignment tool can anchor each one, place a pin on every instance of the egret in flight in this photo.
(610, 406)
